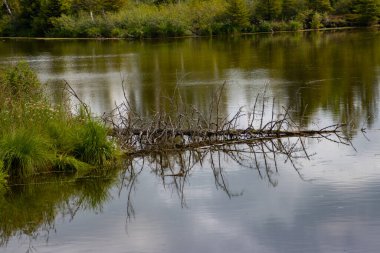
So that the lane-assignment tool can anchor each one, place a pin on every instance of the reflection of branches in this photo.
(172, 144)
(184, 127)
(175, 140)
(264, 155)
(128, 180)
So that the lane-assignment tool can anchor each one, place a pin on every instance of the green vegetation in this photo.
(37, 137)
(163, 18)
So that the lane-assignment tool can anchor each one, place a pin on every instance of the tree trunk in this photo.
(92, 16)
(8, 8)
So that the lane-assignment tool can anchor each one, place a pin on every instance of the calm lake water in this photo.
(228, 202)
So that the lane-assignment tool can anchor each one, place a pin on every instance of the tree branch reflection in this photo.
(266, 157)
(29, 210)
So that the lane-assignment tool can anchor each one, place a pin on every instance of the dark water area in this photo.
(245, 200)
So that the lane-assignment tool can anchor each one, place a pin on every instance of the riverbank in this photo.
(190, 18)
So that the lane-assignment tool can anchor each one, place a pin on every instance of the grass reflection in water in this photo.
(30, 208)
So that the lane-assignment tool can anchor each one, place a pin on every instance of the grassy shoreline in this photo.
(38, 137)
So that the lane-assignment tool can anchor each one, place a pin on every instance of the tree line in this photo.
(153, 18)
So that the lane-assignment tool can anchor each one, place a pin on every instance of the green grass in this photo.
(37, 137)
(93, 146)
(3, 178)
(23, 152)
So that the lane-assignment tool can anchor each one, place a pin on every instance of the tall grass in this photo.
(23, 152)
(3, 178)
(37, 137)
(92, 145)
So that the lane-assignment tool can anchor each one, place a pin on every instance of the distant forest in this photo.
(166, 18)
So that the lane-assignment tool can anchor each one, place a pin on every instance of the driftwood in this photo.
(185, 127)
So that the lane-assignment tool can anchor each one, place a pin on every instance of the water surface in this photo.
(329, 203)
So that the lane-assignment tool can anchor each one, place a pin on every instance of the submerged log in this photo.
(233, 133)
(140, 141)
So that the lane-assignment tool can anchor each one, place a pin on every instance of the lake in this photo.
(324, 198)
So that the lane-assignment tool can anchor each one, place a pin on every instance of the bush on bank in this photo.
(37, 137)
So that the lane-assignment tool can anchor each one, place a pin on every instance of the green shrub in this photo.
(64, 26)
(304, 17)
(205, 16)
(93, 32)
(264, 26)
(316, 21)
(5, 25)
(294, 25)
(279, 26)
(20, 82)
(24, 152)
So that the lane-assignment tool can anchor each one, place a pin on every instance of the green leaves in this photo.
(368, 11)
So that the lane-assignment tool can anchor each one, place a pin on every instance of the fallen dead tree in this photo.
(185, 127)
(174, 142)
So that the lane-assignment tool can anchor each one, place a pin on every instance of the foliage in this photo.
(20, 83)
(140, 21)
(267, 26)
(316, 21)
(294, 25)
(3, 178)
(368, 11)
(37, 137)
(268, 9)
(289, 9)
(205, 16)
(320, 5)
(163, 18)
(264, 26)
(237, 15)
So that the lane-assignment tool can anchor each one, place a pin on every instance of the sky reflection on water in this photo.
(333, 207)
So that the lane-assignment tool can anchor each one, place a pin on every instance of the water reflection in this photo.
(335, 74)
(212, 200)
(32, 208)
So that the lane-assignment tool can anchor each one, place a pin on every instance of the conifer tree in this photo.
(289, 9)
(238, 14)
(268, 9)
(368, 10)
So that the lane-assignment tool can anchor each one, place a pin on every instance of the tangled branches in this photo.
(184, 127)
